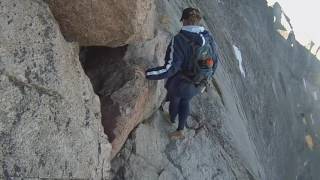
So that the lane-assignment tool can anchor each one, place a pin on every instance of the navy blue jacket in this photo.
(178, 53)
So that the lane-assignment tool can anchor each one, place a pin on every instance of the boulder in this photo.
(117, 75)
(104, 23)
(50, 120)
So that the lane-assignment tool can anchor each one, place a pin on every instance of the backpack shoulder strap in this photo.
(185, 37)
(188, 40)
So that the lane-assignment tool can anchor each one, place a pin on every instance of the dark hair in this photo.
(193, 19)
(191, 15)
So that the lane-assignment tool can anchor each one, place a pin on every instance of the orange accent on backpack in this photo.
(209, 62)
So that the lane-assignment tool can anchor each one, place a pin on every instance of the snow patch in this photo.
(274, 89)
(304, 120)
(312, 120)
(304, 83)
(237, 52)
(315, 96)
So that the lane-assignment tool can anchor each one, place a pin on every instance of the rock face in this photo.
(203, 154)
(117, 75)
(49, 115)
(259, 121)
(105, 23)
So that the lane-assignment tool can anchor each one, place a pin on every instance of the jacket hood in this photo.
(195, 33)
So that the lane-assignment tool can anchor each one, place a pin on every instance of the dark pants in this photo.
(179, 106)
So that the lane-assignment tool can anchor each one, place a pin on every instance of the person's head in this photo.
(190, 16)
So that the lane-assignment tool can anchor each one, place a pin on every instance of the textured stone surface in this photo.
(203, 154)
(264, 125)
(105, 22)
(49, 115)
(117, 75)
(252, 127)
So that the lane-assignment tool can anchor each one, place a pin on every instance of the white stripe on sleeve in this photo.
(168, 66)
(203, 40)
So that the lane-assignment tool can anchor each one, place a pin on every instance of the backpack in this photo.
(202, 63)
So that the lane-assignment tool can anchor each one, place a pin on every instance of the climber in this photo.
(180, 67)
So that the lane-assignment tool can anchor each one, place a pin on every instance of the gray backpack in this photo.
(202, 63)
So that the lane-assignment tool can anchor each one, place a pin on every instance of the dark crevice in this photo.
(250, 175)
(282, 83)
(108, 72)
(215, 84)
(120, 174)
(109, 112)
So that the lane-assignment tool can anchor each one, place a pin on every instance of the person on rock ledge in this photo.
(190, 62)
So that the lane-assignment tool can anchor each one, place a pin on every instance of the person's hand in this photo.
(138, 72)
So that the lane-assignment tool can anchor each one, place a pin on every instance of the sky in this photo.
(305, 19)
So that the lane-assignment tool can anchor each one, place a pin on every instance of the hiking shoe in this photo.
(176, 135)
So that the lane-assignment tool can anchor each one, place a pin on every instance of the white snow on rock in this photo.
(315, 95)
(237, 52)
(304, 83)
(274, 89)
